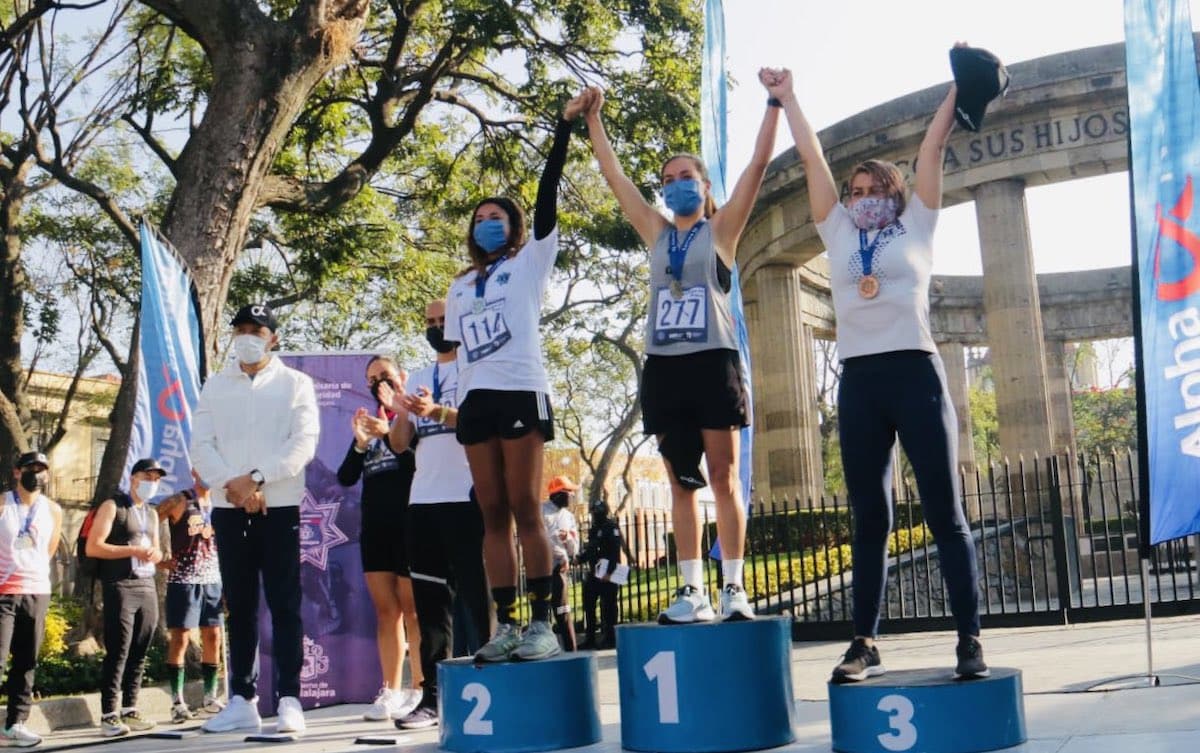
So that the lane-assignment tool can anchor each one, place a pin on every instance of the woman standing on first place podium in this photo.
(893, 383)
(493, 311)
(693, 398)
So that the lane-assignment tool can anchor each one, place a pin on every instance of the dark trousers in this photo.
(903, 394)
(560, 602)
(266, 546)
(604, 591)
(22, 627)
(445, 557)
(130, 618)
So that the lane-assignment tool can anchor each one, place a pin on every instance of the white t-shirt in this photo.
(500, 347)
(442, 471)
(560, 520)
(898, 317)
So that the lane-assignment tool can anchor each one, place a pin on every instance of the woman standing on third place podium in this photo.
(693, 398)
(893, 383)
(493, 311)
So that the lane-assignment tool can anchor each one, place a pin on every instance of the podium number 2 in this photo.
(903, 735)
(475, 724)
(661, 669)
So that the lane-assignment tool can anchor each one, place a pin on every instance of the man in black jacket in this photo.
(603, 545)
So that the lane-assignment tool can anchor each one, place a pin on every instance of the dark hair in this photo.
(517, 233)
(385, 359)
(710, 204)
(888, 176)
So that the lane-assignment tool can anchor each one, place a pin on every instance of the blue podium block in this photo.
(518, 707)
(707, 688)
(927, 710)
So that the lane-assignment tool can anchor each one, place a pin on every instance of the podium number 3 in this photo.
(475, 724)
(903, 735)
(661, 670)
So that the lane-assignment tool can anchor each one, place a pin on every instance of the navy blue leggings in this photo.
(903, 393)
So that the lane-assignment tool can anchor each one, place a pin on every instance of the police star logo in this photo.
(318, 530)
(502, 278)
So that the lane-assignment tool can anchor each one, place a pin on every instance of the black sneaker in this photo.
(422, 717)
(970, 659)
(860, 662)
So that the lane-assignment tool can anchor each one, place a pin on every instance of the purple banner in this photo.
(341, 664)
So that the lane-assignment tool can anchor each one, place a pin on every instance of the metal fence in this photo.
(1056, 542)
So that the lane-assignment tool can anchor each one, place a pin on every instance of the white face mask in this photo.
(250, 349)
(147, 489)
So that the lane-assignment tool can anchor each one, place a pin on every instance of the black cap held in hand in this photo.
(259, 314)
(980, 77)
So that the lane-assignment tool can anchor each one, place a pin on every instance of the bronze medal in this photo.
(868, 286)
(676, 289)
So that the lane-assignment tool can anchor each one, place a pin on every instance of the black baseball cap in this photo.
(980, 77)
(27, 459)
(148, 465)
(259, 314)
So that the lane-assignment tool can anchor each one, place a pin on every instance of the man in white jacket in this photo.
(254, 432)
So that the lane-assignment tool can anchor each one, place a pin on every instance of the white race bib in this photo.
(484, 333)
(683, 319)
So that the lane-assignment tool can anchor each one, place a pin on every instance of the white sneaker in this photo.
(112, 726)
(212, 705)
(291, 716)
(240, 714)
(537, 642)
(18, 736)
(735, 606)
(380, 708)
(404, 702)
(691, 605)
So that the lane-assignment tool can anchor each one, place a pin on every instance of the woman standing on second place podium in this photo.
(493, 311)
(693, 397)
(893, 383)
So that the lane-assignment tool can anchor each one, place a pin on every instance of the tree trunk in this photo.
(112, 465)
(261, 82)
(14, 410)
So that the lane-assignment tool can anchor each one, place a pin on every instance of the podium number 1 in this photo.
(475, 724)
(661, 669)
(903, 735)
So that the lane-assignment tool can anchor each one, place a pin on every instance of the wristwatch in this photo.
(257, 477)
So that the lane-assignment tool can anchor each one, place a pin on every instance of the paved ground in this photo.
(1069, 706)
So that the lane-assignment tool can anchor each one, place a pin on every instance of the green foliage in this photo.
(1105, 421)
(985, 425)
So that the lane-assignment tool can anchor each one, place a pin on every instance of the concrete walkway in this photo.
(1060, 664)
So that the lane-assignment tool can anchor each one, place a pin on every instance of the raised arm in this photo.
(728, 224)
(822, 190)
(933, 148)
(646, 220)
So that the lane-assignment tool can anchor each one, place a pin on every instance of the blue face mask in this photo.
(490, 235)
(682, 196)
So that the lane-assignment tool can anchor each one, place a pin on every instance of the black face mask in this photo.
(560, 499)
(375, 389)
(32, 481)
(437, 339)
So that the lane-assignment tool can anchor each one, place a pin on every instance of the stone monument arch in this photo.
(1064, 117)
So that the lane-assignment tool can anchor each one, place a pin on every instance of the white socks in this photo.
(731, 571)
(692, 573)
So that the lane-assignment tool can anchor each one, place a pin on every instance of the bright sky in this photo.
(849, 56)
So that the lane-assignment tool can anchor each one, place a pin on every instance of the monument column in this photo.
(1014, 320)
(787, 433)
(1059, 386)
(955, 361)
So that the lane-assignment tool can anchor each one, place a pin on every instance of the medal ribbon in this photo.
(142, 516)
(677, 252)
(438, 384)
(28, 516)
(481, 281)
(867, 252)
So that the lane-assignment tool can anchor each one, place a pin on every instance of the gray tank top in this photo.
(693, 315)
